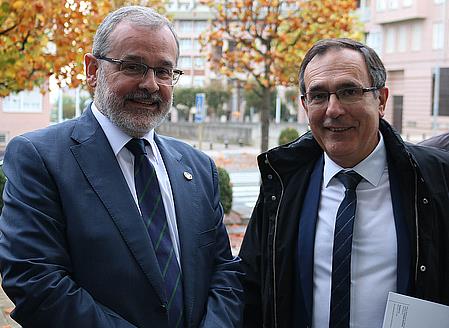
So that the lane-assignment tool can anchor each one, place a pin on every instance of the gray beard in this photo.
(136, 122)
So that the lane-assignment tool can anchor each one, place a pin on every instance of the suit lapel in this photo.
(403, 239)
(99, 164)
(306, 240)
(184, 195)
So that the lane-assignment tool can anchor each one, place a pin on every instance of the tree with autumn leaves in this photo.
(264, 41)
(39, 38)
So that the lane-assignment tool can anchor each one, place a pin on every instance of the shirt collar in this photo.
(371, 168)
(116, 137)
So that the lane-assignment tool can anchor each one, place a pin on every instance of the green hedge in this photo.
(225, 189)
(287, 135)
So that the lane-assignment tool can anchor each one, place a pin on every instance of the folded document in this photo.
(409, 312)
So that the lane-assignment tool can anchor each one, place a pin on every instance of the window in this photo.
(438, 1)
(2, 138)
(381, 5)
(185, 45)
(416, 37)
(393, 4)
(185, 26)
(402, 38)
(196, 45)
(199, 26)
(407, 3)
(390, 41)
(23, 102)
(437, 36)
(199, 62)
(185, 62)
(443, 103)
(374, 40)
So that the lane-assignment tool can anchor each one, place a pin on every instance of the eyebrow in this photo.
(344, 85)
(164, 63)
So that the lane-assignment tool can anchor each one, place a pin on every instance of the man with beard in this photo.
(107, 224)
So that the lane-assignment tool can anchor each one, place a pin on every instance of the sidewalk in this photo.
(232, 158)
(6, 307)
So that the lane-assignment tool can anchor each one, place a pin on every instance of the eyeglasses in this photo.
(162, 76)
(346, 96)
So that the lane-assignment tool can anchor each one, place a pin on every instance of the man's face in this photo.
(135, 105)
(347, 133)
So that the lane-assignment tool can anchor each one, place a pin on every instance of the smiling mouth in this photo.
(145, 102)
(339, 129)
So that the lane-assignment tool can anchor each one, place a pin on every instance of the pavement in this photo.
(6, 307)
(234, 158)
(241, 164)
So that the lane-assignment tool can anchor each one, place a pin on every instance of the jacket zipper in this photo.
(274, 242)
(416, 219)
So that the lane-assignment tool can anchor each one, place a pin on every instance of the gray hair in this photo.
(373, 63)
(135, 15)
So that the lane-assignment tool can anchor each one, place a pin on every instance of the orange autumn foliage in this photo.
(39, 38)
(270, 38)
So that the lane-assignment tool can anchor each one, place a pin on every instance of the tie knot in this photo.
(136, 146)
(350, 179)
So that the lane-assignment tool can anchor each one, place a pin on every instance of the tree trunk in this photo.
(265, 120)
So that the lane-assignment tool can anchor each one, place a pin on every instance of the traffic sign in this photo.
(200, 100)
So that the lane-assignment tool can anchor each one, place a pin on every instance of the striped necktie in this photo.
(341, 260)
(153, 213)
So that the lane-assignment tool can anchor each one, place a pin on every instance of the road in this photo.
(245, 189)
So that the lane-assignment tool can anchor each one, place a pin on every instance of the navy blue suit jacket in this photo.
(74, 251)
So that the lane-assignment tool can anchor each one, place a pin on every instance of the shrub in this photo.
(225, 187)
(287, 135)
(2, 184)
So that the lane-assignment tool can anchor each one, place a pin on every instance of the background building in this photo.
(190, 19)
(22, 112)
(411, 37)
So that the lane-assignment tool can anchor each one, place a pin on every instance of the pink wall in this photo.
(16, 123)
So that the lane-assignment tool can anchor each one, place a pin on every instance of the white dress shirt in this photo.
(118, 139)
(374, 244)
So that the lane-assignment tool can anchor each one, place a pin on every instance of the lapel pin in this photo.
(188, 176)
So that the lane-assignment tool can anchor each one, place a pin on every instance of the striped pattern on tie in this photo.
(341, 260)
(153, 213)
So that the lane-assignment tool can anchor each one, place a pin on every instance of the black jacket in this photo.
(269, 246)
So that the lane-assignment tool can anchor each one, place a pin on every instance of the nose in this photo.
(148, 82)
(334, 107)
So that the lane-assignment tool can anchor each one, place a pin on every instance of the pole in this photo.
(278, 108)
(77, 102)
(60, 109)
(436, 100)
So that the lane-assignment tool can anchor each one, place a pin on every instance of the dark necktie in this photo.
(153, 213)
(341, 260)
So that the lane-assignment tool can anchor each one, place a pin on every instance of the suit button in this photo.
(269, 176)
(273, 197)
(425, 201)
(163, 308)
(422, 268)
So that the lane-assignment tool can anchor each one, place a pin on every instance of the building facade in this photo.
(411, 37)
(22, 112)
(190, 19)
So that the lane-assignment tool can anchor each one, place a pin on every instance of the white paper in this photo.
(409, 312)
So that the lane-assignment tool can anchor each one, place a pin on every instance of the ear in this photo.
(304, 104)
(383, 97)
(91, 68)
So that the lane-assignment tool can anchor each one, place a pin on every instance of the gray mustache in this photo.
(144, 96)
